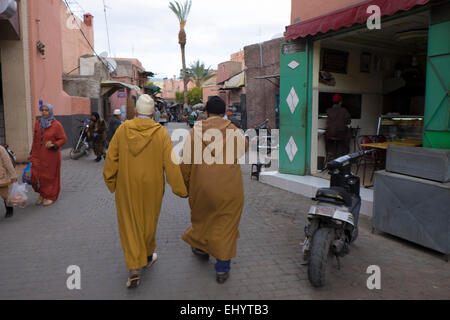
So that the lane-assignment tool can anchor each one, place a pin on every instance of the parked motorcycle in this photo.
(333, 222)
(82, 146)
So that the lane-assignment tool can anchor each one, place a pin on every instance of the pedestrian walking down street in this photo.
(97, 134)
(8, 176)
(49, 137)
(139, 156)
(157, 115)
(216, 192)
(113, 124)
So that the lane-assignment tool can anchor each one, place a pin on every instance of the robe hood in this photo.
(139, 133)
(219, 124)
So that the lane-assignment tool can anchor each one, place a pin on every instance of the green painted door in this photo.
(294, 64)
(437, 107)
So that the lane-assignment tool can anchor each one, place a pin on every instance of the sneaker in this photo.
(221, 277)
(151, 260)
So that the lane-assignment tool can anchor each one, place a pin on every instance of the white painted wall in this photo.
(315, 108)
(87, 66)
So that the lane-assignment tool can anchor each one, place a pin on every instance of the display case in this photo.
(396, 127)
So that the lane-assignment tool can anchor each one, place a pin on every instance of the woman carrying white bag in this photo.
(8, 176)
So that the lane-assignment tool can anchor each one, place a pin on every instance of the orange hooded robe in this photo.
(216, 192)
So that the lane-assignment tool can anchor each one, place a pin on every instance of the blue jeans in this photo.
(223, 266)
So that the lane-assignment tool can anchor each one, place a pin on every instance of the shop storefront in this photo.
(394, 81)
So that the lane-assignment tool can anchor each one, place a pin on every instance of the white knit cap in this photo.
(117, 112)
(145, 105)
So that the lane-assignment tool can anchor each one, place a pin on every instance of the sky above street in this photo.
(148, 29)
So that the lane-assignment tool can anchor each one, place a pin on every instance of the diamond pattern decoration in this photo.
(292, 100)
(293, 65)
(291, 149)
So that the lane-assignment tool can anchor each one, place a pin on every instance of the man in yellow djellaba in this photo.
(138, 157)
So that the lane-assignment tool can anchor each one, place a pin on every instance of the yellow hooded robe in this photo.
(138, 156)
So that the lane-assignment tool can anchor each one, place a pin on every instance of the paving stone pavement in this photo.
(38, 244)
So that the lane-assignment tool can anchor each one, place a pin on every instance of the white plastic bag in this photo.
(17, 196)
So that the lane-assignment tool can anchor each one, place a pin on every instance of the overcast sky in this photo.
(148, 30)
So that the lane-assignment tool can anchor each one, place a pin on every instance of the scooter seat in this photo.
(337, 194)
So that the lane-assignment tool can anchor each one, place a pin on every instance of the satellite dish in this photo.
(112, 65)
(8, 9)
(104, 55)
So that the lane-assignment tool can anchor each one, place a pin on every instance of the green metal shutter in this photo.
(294, 76)
(437, 107)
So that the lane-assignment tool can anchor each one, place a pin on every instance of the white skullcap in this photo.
(117, 112)
(145, 105)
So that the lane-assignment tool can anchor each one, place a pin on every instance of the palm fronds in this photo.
(181, 10)
(198, 73)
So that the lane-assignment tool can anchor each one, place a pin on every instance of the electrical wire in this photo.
(84, 35)
(107, 28)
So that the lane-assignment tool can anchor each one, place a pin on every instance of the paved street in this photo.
(38, 244)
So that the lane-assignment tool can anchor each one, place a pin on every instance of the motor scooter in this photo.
(82, 146)
(333, 221)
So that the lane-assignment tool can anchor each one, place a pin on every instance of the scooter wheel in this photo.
(321, 257)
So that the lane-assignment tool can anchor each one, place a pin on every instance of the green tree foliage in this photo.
(195, 96)
(179, 97)
(198, 73)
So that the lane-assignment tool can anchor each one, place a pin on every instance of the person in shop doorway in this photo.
(338, 133)
(113, 125)
(97, 134)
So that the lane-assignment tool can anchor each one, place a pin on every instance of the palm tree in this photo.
(198, 73)
(182, 12)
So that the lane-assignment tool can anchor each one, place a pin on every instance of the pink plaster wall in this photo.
(209, 92)
(172, 86)
(307, 9)
(73, 43)
(81, 105)
(228, 69)
(117, 103)
(47, 70)
(238, 57)
(114, 101)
